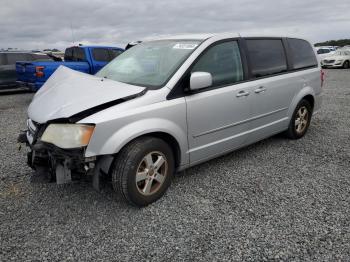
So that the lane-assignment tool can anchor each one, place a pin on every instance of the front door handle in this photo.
(260, 89)
(242, 93)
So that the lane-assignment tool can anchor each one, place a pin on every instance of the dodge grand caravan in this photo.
(168, 104)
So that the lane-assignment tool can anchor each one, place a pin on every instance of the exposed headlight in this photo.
(68, 135)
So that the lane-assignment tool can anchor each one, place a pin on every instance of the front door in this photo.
(217, 116)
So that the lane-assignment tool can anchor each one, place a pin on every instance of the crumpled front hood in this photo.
(68, 92)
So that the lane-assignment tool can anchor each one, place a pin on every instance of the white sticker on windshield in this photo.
(185, 46)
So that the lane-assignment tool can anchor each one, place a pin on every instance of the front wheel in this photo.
(346, 65)
(142, 171)
(300, 121)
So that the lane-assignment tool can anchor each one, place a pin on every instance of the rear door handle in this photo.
(260, 89)
(242, 93)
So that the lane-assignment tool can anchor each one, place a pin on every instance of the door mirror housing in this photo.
(200, 80)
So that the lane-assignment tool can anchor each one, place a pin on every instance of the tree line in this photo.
(340, 42)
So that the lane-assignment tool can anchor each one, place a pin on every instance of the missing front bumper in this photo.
(61, 165)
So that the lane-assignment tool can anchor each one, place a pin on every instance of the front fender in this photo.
(139, 128)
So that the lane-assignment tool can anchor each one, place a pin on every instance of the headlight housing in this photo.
(68, 135)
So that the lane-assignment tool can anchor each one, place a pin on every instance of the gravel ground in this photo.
(275, 200)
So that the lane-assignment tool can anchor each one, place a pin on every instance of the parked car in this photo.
(168, 104)
(339, 59)
(87, 59)
(8, 65)
(325, 51)
(332, 48)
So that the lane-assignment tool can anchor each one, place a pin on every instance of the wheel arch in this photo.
(310, 99)
(170, 140)
(306, 93)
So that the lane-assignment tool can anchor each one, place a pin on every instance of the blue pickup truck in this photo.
(87, 59)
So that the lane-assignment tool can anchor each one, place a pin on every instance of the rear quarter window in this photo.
(267, 57)
(302, 54)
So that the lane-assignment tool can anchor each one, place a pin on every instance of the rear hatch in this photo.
(25, 72)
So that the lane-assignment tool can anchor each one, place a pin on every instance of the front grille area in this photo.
(35, 129)
(328, 61)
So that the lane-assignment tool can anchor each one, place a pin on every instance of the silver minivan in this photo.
(167, 104)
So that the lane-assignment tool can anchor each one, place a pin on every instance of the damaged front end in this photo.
(59, 164)
(55, 136)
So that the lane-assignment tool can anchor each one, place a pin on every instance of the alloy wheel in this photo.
(151, 173)
(301, 120)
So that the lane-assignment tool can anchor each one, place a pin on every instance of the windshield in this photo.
(149, 64)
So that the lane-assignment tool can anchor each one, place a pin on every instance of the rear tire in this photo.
(346, 65)
(300, 120)
(142, 171)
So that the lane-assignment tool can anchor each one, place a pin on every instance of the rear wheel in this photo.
(300, 120)
(142, 171)
(346, 65)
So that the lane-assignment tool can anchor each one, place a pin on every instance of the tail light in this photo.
(39, 71)
(322, 77)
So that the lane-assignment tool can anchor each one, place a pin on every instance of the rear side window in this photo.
(74, 54)
(78, 54)
(267, 57)
(100, 54)
(223, 61)
(68, 54)
(302, 53)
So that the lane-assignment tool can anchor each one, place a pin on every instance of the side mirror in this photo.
(200, 80)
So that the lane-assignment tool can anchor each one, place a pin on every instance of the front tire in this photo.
(346, 65)
(142, 170)
(300, 121)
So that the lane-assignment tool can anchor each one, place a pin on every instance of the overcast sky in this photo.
(38, 24)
